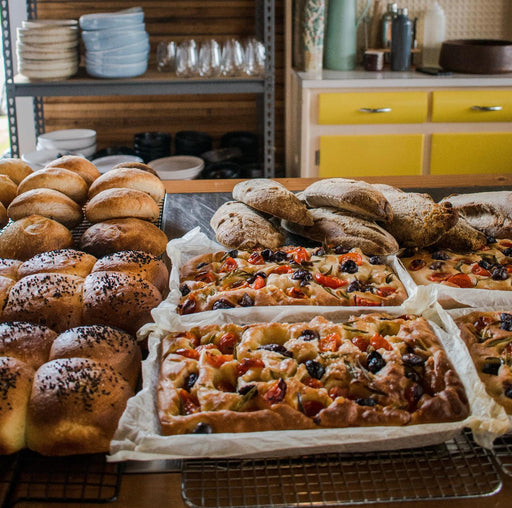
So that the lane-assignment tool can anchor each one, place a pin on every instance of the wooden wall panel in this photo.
(117, 118)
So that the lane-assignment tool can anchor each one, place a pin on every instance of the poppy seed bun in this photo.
(74, 407)
(63, 180)
(87, 170)
(120, 300)
(121, 203)
(129, 178)
(31, 235)
(101, 343)
(5, 288)
(27, 342)
(137, 263)
(15, 386)
(9, 268)
(15, 169)
(68, 261)
(48, 203)
(4, 218)
(8, 190)
(123, 234)
(137, 165)
(51, 299)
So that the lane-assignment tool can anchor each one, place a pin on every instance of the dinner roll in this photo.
(51, 299)
(9, 268)
(137, 165)
(121, 203)
(27, 342)
(48, 203)
(129, 178)
(104, 344)
(118, 299)
(87, 170)
(69, 261)
(4, 218)
(15, 387)
(15, 169)
(63, 180)
(33, 234)
(8, 190)
(74, 407)
(123, 234)
(5, 288)
(137, 263)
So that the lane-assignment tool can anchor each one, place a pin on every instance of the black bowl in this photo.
(192, 143)
(248, 142)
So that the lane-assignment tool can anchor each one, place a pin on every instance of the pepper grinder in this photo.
(401, 41)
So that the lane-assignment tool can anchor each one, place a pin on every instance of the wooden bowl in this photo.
(476, 56)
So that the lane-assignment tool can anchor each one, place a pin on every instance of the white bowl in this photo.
(40, 158)
(103, 20)
(106, 163)
(44, 54)
(68, 138)
(49, 74)
(178, 167)
(35, 23)
(88, 151)
(42, 36)
(47, 65)
(49, 46)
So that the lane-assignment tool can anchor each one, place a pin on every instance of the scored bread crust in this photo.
(86, 169)
(271, 197)
(8, 190)
(15, 169)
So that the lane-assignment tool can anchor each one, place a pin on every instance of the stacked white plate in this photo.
(116, 43)
(178, 167)
(73, 141)
(106, 163)
(48, 49)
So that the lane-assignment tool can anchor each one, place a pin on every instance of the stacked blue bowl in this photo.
(116, 43)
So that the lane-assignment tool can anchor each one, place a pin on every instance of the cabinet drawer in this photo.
(472, 106)
(372, 108)
(489, 152)
(375, 155)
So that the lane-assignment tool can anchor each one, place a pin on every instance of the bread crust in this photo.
(8, 190)
(137, 165)
(4, 218)
(462, 238)
(15, 169)
(68, 261)
(9, 268)
(86, 169)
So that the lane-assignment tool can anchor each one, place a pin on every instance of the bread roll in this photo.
(9, 268)
(137, 165)
(103, 344)
(15, 169)
(123, 234)
(74, 407)
(120, 204)
(27, 342)
(8, 190)
(5, 288)
(48, 203)
(15, 386)
(63, 180)
(129, 178)
(87, 170)
(31, 235)
(51, 299)
(461, 238)
(4, 218)
(120, 300)
(68, 261)
(138, 264)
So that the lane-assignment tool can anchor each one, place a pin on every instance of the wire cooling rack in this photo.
(502, 449)
(455, 469)
(28, 476)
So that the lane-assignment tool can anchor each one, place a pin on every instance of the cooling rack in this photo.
(455, 469)
(502, 449)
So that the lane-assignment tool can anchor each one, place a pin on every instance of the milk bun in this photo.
(4, 218)
(87, 170)
(8, 190)
(68, 261)
(15, 169)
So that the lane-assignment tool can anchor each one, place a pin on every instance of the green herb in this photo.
(390, 277)
(246, 397)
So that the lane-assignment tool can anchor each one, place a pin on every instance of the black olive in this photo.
(375, 260)
(222, 304)
(412, 360)
(340, 250)
(412, 375)
(506, 321)
(190, 381)
(417, 392)
(246, 301)
(315, 369)
(245, 389)
(440, 254)
(263, 275)
(304, 283)
(486, 265)
(277, 348)
(366, 402)
(508, 391)
(436, 265)
(279, 256)
(319, 252)
(508, 251)
(308, 335)
(355, 285)
(202, 428)
(491, 239)
(492, 367)
(233, 253)
(200, 265)
(407, 253)
(266, 254)
(301, 274)
(184, 290)
(499, 273)
(349, 266)
(375, 362)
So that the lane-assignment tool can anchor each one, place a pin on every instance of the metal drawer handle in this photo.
(487, 108)
(375, 110)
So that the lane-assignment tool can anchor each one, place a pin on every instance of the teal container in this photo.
(340, 45)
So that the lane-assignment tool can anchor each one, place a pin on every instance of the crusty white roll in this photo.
(9, 268)
(86, 169)
(51, 299)
(4, 218)
(15, 169)
(137, 263)
(60, 179)
(121, 203)
(48, 203)
(27, 342)
(129, 178)
(120, 300)
(5, 288)
(69, 261)
(27, 237)
(138, 165)
(123, 234)
(8, 190)
(15, 388)
(74, 407)
(101, 343)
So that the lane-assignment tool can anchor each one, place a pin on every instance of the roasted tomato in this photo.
(361, 301)
(312, 382)
(478, 270)
(189, 403)
(259, 282)
(227, 343)
(188, 353)
(277, 392)
(461, 279)
(329, 282)
(256, 259)
(353, 256)
(439, 276)
(330, 342)
(229, 265)
(248, 363)
(295, 293)
(282, 269)
(217, 360)
(337, 391)
(385, 291)
(207, 277)
(361, 343)
(378, 341)
(300, 254)
(312, 407)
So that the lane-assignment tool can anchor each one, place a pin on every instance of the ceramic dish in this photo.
(89, 36)
(103, 20)
(118, 41)
(125, 50)
(177, 167)
(35, 23)
(68, 138)
(115, 59)
(116, 71)
(40, 158)
(42, 54)
(106, 163)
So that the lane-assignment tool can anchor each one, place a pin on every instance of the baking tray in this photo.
(502, 449)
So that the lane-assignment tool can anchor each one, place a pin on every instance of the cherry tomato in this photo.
(360, 301)
(482, 272)
(330, 342)
(256, 259)
(205, 346)
(361, 343)
(337, 391)
(205, 277)
(191, 337)
(227, 343)
(276, 392)
(282, 269)
(300, 254)
(312, 407)
(229, 265)
(509, 268)
(505, 243)
(248, 363)
(330, 282)
(217, 360)
(295, 293)
(312, 382)
(354, 256)
(416, 264)
(385, 291)
(461, 279)
(259, 282)
(378, 342)
(439, 276)
(189, 402)
(188, 353)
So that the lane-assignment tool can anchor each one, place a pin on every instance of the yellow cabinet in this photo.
(472, 106)
(371, 155)
(372, 108)
(470, 153)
